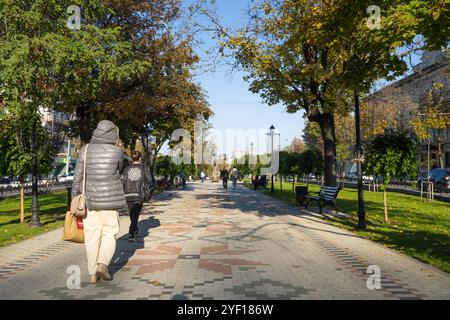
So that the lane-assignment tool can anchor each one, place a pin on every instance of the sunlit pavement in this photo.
(208, 243)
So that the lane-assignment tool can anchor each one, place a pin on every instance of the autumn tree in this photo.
(312, 136)
(433, 120)
(345, 140)
(164, 98)
(294, 54)
(389, 108)
(297, 145)
(316, 55)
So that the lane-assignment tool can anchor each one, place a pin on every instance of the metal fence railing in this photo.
(47, 187)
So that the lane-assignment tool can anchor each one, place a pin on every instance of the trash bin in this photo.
(301, 192)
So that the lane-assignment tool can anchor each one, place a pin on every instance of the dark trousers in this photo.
(225, 183)
(134, 208)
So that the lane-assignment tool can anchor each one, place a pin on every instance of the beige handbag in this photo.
(78, 205)
(73, 228)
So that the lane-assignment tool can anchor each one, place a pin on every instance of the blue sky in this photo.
(234, 106)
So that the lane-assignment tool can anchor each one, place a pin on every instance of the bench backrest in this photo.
(329, 193)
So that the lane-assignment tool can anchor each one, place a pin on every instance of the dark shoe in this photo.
(93, 278)
(132, 238)
(103, 272)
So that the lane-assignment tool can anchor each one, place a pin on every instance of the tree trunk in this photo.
(150, 159)
(281, 182)
(293, 184)
(83, 118)
(329, 137)
(441, 155)
(386, 218)
(22, 200)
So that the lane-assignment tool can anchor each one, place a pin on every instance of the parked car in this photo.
(47, 180)
(4, 181)
(440, 177)
(68, 178)
(354, 176)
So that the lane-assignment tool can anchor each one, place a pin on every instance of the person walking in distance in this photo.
(104, 197)
(234, 177)
(137, 185)
(184, 178)
(225, 175)
(202, 176)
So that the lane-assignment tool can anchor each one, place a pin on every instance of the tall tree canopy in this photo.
(125, 63)
(312, 55)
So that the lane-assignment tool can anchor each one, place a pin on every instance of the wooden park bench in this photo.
(326, 196)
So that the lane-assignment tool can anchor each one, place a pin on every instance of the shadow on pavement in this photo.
(250, 201)
(247, 200)
(126, 249)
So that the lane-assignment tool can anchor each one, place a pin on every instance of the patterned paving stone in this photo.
(207, 243)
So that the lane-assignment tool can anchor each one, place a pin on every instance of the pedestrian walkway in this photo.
(208, 243)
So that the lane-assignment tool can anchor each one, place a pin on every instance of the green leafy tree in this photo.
(392, 154)
(165, 167)
(34, 69)
(283, 167)
(15, 150)
(293, 164)
(311, 162)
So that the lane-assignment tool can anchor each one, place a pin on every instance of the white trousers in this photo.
(100, 231)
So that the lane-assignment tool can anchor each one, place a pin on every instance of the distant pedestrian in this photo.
(104, 197)
(184, 178)
(202, 176)
(225, 175)
(234, 177)
(255, 182)
(262, 183)
(137, 185)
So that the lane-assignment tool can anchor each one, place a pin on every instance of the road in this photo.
(210, 243)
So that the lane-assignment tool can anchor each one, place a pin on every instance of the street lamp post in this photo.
(35, 221)
(68, 158)
(359, 155)
(272, 131)
(354, 61)
(251, 157)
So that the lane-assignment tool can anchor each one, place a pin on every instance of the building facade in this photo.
(57, 124)
(397, 104)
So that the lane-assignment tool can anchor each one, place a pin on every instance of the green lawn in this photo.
(11, 230)
(417, 228)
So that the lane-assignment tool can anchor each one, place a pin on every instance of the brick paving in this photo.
(208, 243)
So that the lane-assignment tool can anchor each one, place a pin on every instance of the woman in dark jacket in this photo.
(104, 197)
(138, 186)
